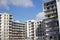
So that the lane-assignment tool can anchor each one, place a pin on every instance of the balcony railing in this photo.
(50, 20)
(52, 29)
(51, 12)
(51, 33)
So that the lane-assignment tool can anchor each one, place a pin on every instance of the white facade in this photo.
(58, 10)
(32, 28)
(4, 25)
(31, 24)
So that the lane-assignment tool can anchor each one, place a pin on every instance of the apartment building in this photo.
(5, 26)
(40, 34)
(35, 30)
(10, 30)
(18, 31)
(31, 30)
(52, 21)
(22, 31)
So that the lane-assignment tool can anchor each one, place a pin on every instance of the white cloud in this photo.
(3, 4)
(40, 16)
(23, 3)
(18, 21)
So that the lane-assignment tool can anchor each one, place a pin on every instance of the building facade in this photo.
(10, 30)
(18, 31)
(35, 30)
(52, 21)
(31, 35)
(6, 26)
(22, 31)
(40, 34)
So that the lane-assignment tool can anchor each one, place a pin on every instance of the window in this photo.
(4, 17)
(50, 37)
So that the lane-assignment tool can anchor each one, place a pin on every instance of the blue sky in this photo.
(20, 11)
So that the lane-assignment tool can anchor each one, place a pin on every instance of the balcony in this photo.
(50, 7)
(52, 16)
(52, 26)
(11, 16)
(51, 12)
(50, 20)
(10, 28)
(51, 33)
(54, 4)
(49, 2)
(52, 29)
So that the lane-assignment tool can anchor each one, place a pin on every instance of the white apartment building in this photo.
(10, 30)
(58, 10)
(31, 29)
(35, 30)
(5, 26)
